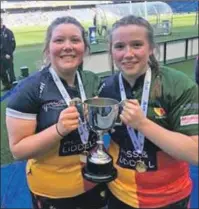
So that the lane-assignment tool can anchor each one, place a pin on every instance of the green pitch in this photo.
(30, 40)
(183, 26)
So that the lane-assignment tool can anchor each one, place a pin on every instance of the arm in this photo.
(25, 144)
(184, 149)
(178, 145)
(21, 120)
(13, 42)
(23, 141)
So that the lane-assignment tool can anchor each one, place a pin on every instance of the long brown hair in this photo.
(153, 63)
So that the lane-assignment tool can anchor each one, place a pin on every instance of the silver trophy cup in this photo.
(101, 115)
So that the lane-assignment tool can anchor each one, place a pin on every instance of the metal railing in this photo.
(177, 50)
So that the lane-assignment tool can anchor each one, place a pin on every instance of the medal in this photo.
(75, 102)
(140, 166)
(83, 156)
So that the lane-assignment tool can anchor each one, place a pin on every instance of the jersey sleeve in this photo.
(183, 114)
(24, 100)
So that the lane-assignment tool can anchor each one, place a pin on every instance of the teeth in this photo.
(70, 56)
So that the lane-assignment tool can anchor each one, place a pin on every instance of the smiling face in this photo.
(130, 49)
(66, 48)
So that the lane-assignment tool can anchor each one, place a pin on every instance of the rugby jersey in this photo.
(56, 174)
(167, 179)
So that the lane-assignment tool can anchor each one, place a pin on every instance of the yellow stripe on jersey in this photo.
(124, 186)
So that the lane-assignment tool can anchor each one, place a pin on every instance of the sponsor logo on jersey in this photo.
(188, 120)
(190, 106)
(55, 105)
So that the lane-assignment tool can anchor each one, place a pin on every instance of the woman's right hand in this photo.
(68, 120)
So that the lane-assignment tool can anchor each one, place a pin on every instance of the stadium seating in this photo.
(183, 6)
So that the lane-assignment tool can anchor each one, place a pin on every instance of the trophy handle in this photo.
(80, 107)
(118, 120)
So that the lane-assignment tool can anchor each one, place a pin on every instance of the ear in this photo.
(47, 54)
(151, 51)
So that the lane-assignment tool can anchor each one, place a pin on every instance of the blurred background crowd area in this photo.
(34, 13)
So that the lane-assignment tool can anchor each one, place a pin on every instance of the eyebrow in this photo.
(62, 36)
(119, 42)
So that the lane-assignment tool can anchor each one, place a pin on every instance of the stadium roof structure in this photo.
(158, 13)
(42, 4)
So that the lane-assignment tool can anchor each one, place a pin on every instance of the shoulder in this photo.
(30, 85)
(8, 30)
(111, 80)
(177, 87)
(175, 79)
(109, 85)
(35, 78)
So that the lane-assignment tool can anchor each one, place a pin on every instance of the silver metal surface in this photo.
(101, 113)
(100, 156)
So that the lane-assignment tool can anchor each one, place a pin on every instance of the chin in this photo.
(130, 72)
(69, 67)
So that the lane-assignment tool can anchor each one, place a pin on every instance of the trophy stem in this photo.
(100, 135)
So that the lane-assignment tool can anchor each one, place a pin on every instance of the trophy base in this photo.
(105, 178)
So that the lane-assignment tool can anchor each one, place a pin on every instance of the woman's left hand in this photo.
(132, 114)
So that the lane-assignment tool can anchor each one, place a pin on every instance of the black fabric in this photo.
(93, 199)
(38, 94)
(7, 47)
(114, 203)
(8, 43)
(7, 74)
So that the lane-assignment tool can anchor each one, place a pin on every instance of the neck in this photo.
(69, 77)
(131, 79)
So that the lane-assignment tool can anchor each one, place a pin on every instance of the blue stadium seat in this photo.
(183, 6)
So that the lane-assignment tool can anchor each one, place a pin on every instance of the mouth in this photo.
(129, 64)
(67, 56)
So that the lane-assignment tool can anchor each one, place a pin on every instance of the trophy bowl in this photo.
(101, 115)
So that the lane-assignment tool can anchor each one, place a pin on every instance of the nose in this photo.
(129, 52)
(67, 45)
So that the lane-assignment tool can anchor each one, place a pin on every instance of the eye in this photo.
(119, 46)
(76, 40)
(137, 44)
(58, 40)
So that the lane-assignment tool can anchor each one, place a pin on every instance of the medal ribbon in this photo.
(138, 141)
(82, 129)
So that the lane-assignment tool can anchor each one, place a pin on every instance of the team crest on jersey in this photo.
(160, 112)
